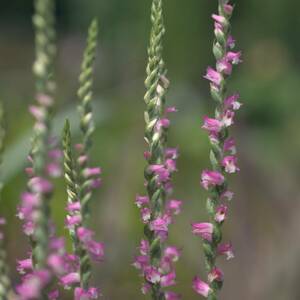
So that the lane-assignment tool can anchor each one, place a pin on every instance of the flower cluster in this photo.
(164, 272)
(38, 188)
(35, 281)
(156, 259)
(223, 154)
(85, 247)
(37, 273)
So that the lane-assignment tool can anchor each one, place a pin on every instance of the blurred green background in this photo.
(264, 217)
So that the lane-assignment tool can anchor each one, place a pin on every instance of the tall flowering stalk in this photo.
(156, 259)
(83, 244)
(46, 257)
(5, 284)
(85, 95)
(39, 186)
(82, 179)
(222, 155)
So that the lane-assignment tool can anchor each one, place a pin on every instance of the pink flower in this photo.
(205, 230)
(70, 279)
(201, 287)
(162, 123)
(172, 253)
(171, 109)
(174, 206)
(95, 183)
(212, 125)
(70, 263)
(53, 169)
(234, 57)
(168, 279)
(141, 262)
(159, 224)
(24, 265)
(73, 206)
(224, 66)
(147, 155)
(146, 288)
(141, 200)
(85, 235)
(37, 112)
(56, 262)
(231, 42)
(29, 202)
(221, 212)
(232, 103)
(171, 165)
(171, 153)
(216, 275)
(213, 76)
(152, 275)
(219, 19)
(144, 247)
(226, 249)
(211, 179)
(228, 9)
(162, 173)
(229, 146)
(28, 228)
(88, 172)
(228, 195)
(230, 164)
(40, 185)
(227, 118)
(32, 285)
(72, 221)
(95, 249)
(145, 214)
(82, 159)
(218, 29)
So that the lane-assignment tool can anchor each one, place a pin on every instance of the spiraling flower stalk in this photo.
(5, 284)
(156, 259)
(222, 155)
(83, 243)
(46, 258)
(75, 217)
(85, 95)
(44, 21)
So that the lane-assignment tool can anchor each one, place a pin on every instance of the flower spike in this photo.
(156, 259)
(222, 155)
(84, 246)
(85, 95)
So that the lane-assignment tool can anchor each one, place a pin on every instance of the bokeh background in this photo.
(264, 217)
